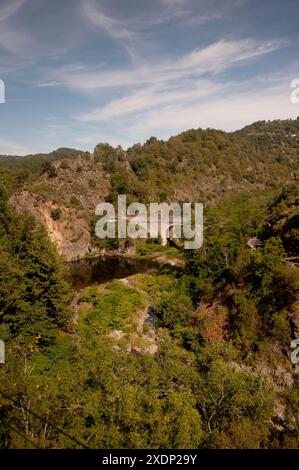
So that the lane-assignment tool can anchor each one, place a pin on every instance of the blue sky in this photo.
(78, 72)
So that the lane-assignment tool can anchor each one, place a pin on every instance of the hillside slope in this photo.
(63, 189)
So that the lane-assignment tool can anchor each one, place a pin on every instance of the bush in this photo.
(64, 165)
(49, 169)
(56, 213)
(174, 309)
(74, 202)
(111, 307)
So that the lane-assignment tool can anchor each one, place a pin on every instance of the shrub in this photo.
(111, 307)
(56, 213)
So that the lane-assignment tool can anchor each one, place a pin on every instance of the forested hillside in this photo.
(62, 190)
(193, 354)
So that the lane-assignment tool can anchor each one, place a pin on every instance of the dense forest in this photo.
(213, 370)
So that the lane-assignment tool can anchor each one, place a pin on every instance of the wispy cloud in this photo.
(10, 8)
(223, 54)
(174, 3)
(150, 97)
(228, 112)
(11, 40)
(213, 59)
(23, 44)
(177, 7)
(170, 84)
(96, 17)
(12, 148)
(121, 70)
(121, 30)
(130, 31)
(126, 28)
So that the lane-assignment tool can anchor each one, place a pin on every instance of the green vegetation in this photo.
(33, 294)
(111, 307)
(220, 374)
(56, 213)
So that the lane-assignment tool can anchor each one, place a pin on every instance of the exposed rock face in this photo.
(76, 188)
(70, 233)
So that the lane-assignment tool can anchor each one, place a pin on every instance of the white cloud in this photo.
(169, 84)
(217, 57)
(129, 27)
(113, 26)
(134, 32)
(174, 3)
(11, 40)
(10, 8)
(223, 54)
(177, 7)
(12, 148)
(228, 106)
(148, 98)
(229, 113)
(22, 44)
